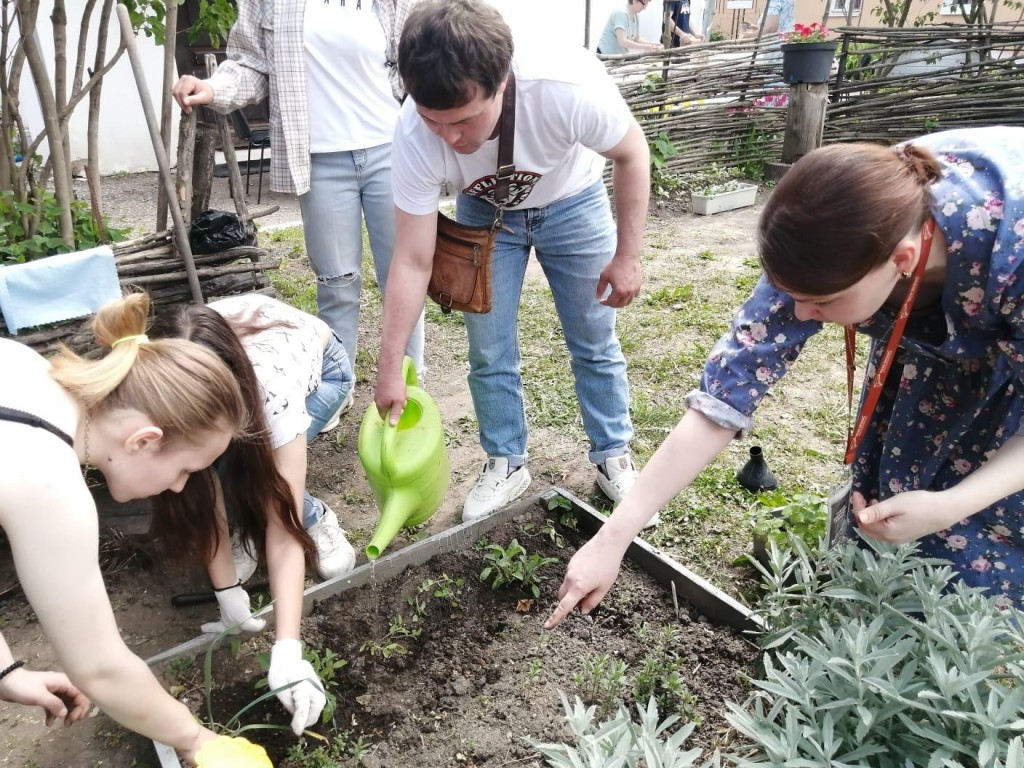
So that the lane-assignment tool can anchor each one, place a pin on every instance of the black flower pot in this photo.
(807, 62)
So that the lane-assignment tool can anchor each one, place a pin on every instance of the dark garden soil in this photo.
(482, 674)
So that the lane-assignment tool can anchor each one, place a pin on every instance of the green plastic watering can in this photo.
(406, 464)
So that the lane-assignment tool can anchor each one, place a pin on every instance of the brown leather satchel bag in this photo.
(461, 274)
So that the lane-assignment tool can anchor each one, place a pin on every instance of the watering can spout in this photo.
(397, 511)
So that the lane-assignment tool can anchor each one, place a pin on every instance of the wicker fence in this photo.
(715, 101)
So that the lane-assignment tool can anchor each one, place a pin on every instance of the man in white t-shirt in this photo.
(455, 57)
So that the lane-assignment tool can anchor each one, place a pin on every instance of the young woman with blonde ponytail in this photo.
(844, 239)
(146, 415)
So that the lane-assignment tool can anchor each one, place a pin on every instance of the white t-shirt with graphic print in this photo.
(288, 359)
(568, 110)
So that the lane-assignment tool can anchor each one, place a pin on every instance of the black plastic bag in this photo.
(216, 231)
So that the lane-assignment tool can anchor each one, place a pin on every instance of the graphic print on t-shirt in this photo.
(519, 187)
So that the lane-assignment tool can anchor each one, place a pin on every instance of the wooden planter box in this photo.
(705, 205)
(718, 607)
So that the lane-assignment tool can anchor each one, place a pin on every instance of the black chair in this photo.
(254, 137)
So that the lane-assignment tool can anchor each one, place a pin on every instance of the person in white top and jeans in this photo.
(455, 58)
(329, 69)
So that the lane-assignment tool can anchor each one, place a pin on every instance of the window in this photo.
(952, 7)
(839, 7)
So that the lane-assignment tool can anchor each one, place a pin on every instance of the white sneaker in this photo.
(616, 476)
(495, 488)
(335, 556)
(342, 410)
(245, 564)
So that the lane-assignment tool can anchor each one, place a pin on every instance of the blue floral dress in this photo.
(955, 392)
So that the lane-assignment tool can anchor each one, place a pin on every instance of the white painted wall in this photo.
(124, 138)
(125, 144)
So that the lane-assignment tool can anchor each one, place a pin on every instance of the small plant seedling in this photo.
(390, 645)
(533, 668)
(562, 509)
(602, 681)
(511, 566)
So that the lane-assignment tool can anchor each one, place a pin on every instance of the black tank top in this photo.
(12, 414)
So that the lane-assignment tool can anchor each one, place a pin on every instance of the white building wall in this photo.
(125, 145)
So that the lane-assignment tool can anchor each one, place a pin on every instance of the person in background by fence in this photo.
(622, 31)
(456, 58)
(334, 97)
(862, 235)
(147, 415)
(677, 24)
(295, 376)
(781, 19)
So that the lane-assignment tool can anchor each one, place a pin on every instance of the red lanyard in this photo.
(855, 435)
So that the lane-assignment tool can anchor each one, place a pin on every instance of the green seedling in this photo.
(511, 566)
(602, 681)
(390, 645)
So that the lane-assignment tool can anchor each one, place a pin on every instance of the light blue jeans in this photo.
(336, 380)
(574, 239)
(346, 187)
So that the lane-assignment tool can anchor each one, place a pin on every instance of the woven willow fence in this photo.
(896, 84)
(714, 101)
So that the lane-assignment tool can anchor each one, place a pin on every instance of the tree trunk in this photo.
(28, 11)
(92, 167)
(59, 20)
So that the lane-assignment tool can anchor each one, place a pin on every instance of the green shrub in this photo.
(16, 247)
(877, 657)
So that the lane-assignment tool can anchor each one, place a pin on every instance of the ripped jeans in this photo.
(346, 187)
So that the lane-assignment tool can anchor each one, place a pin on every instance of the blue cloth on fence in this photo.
(56, 288)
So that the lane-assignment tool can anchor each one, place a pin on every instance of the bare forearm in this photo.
(126, 690)
(403, 302)
(631, 178)
(690, 447)
(287, 565)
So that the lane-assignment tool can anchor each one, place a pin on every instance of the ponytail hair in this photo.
(840, 212)
(252, 485)
(185, 389)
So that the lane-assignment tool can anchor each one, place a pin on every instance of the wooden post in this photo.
(805, 120)
(186, 153)
(202, 166)
(180, 232)
(166, 115)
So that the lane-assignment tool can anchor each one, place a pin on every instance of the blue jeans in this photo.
(574, 239)
(344, 188)
(336, 380)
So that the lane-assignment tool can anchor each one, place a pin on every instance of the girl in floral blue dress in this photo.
(942, 458)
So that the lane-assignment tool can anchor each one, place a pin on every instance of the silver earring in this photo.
(905, 275)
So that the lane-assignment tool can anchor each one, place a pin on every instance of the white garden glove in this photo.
(305, 700)
(234, 610)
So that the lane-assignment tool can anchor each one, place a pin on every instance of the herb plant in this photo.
(511, 566)
(877, 657)
(620, 742)
(777, 516)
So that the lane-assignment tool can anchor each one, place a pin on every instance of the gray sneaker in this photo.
(495, 488)
(346, 404)
(335, 556)
(616, 476)
(245, 564)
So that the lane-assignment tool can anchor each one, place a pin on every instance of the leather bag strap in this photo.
(506, 145)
